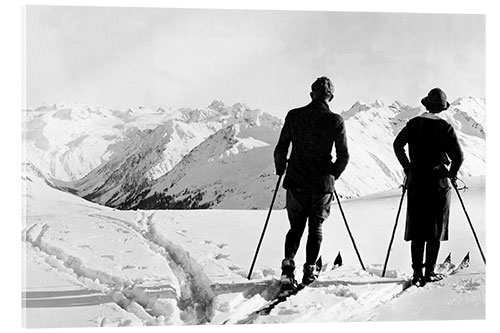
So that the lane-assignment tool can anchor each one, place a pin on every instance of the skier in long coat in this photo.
(435, 157)
(312, 131)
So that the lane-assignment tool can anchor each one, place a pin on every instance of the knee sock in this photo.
(431, 254)
(314, 239)
(417, 256)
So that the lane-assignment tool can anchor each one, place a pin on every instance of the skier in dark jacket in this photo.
(435, 158)
(312, 130)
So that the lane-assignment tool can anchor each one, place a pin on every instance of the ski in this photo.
(282, 296)
(463, 264)
(337, 262)
(447, 268)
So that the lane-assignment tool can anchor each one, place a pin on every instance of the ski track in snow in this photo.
(125, 297)
(199, 300)
(196, 295)
(153, 305)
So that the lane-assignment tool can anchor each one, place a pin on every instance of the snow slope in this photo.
(230, 169)
(67, 141)
(90, 265)
(371, 129)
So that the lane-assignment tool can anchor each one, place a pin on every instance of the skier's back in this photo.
(432, 147)
(313, 131)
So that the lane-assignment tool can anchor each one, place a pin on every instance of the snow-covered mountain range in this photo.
(217, 157)
(85, 264)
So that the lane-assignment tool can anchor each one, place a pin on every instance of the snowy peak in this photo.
(378, 104)
(469, 102)
(469, 114)
(227, 170)
(238, 113)
(210, 149)
(355, 109)
(362, 109)
(218, 106)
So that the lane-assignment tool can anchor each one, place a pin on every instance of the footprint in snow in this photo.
(222, 256)
(466, 285)
(288, 312)
(128, 267)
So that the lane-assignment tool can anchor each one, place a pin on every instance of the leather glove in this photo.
(453, 181)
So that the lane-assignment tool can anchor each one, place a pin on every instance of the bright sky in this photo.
(124, 57)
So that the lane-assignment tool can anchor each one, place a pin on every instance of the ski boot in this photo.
(417, 278)
(430, 275)
(287, 279)
(310, 274)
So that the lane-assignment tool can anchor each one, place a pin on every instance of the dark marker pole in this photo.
(265, 227)
(394, 229)
(470, 223)
(348, 230)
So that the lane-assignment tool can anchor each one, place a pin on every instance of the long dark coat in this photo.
(433, 148)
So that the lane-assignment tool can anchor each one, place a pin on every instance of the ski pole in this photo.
(264, 230)
(394, 229)
(470, 223)
(348, 230)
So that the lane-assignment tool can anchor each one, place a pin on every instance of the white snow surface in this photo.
(91, 265)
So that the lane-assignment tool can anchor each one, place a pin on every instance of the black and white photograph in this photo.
(186, 166)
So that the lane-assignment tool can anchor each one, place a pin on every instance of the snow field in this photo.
(176, 267)
(120, 274)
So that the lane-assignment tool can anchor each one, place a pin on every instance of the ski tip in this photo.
(448, 259)
(338, 261)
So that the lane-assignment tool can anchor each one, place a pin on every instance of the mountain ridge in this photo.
(158, 156)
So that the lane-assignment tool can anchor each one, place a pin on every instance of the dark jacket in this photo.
(312, 130)
(433, 147)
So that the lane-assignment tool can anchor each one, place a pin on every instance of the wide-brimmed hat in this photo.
(435, 100)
